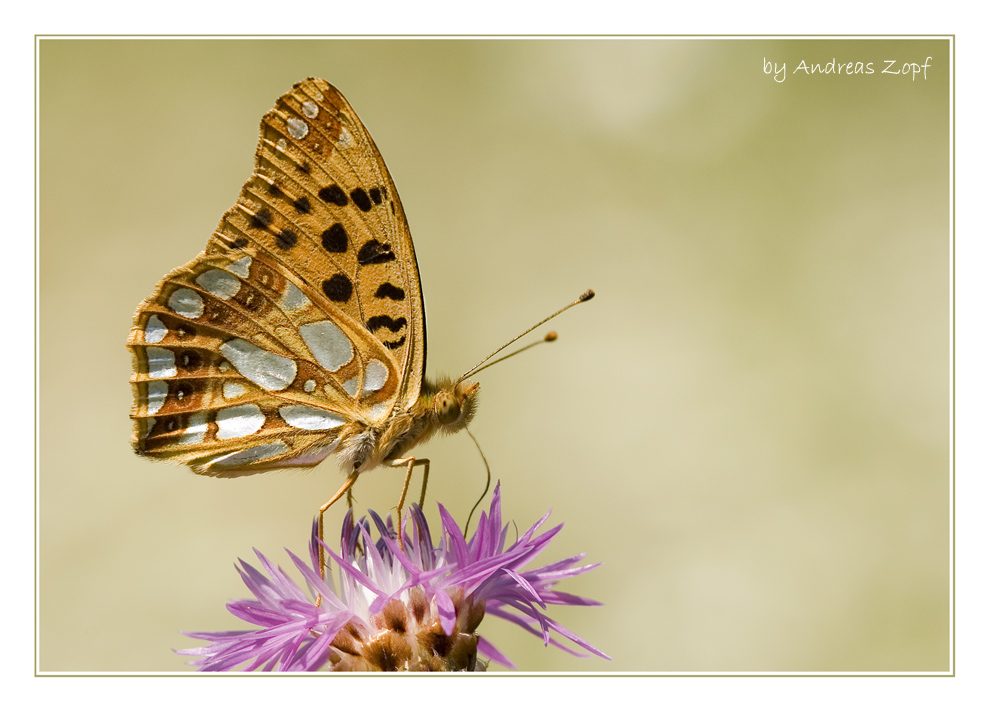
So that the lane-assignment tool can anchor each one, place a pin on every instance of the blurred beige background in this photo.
(749, 425)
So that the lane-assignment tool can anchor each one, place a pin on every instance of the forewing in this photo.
(322, 204)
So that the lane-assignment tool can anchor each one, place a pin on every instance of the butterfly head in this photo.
(454, 404)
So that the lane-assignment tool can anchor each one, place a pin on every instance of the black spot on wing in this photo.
(184, 390)
(376, 196)
(286, 239)
(374, 252)
(384, 321)
(361, 199)
(169, 425)
(338, 288)
(387, 290)
(333, 194)
(394, 344)
(301, 205)
(262, 219)
(190, 360)
(335, 238)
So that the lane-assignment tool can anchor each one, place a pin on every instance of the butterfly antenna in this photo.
(549, 337)
(488, 482)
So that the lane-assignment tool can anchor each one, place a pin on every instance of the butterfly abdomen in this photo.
(365, 447)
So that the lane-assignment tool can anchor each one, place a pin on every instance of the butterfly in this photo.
(299, 332)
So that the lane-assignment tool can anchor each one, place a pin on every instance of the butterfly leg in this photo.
(426, 478)
(345, 489)
(409, 463)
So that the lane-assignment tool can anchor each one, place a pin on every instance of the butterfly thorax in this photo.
(443, 407)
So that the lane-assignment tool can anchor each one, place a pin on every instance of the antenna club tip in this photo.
(551, 336)
(587, 295)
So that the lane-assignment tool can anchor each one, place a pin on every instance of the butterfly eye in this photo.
(447, 408)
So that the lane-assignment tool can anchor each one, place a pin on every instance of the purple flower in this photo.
(411, 608)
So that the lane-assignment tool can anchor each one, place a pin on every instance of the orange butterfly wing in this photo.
(303, 314)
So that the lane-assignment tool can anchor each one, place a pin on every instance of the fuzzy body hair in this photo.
(444, 407)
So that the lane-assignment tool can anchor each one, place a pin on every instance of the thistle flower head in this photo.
(414, 607)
